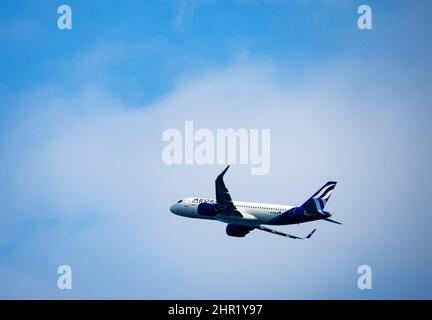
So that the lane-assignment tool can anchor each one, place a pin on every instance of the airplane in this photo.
(243, 217)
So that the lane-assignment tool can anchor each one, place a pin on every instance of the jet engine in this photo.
(235, 230)
(207, 209)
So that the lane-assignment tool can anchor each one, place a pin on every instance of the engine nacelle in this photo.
(207, 209)
(234, 230)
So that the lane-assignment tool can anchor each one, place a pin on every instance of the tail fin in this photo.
(316, 203)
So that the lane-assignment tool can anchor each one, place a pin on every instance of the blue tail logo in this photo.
(315, 204)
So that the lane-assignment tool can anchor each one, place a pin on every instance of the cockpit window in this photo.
(179, 201)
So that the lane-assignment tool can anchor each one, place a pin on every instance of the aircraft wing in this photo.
(224, 203)
(284, 234)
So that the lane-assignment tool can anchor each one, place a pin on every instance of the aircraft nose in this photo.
(173, 208)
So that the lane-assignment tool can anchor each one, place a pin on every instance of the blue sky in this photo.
(81, 118)
(170, 39)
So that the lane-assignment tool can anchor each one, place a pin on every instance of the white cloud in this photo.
(185, 10)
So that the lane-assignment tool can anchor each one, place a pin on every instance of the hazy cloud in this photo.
(84, 184)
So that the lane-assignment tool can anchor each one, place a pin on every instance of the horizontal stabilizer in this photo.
(331, 220)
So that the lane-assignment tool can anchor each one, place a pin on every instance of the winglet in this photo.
(310, 234)
(223, 172)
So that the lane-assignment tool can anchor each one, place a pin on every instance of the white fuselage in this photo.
(253, 213)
